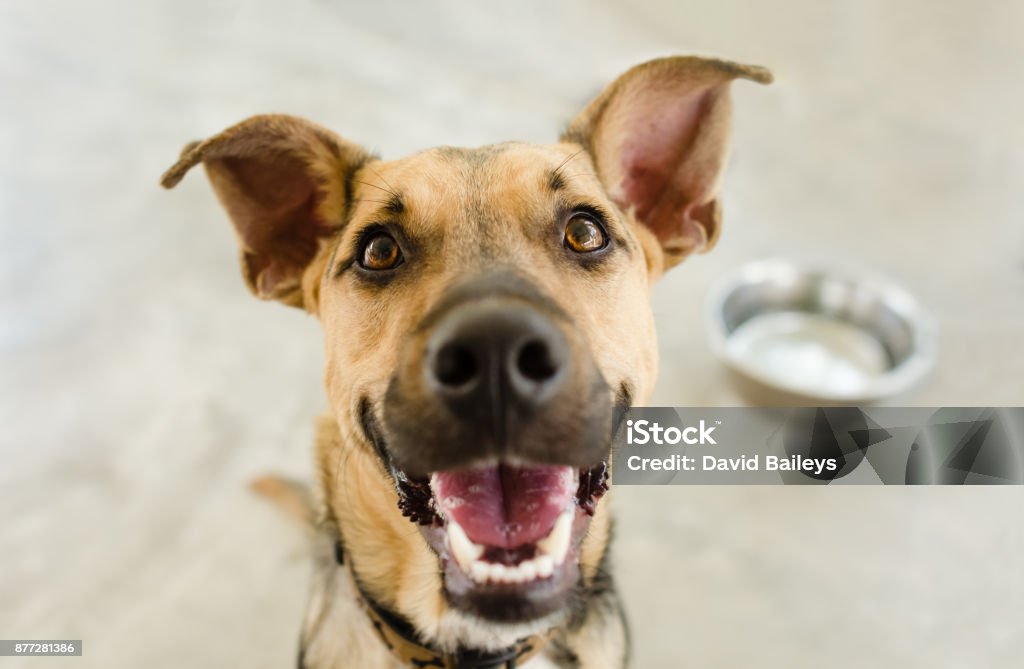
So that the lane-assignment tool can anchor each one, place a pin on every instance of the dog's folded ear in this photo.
(659, 137)
(282, 181)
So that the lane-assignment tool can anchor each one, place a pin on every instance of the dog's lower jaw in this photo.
(337, 634)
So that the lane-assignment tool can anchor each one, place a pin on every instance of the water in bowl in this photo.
(808, 353)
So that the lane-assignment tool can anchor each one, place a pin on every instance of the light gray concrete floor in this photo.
(141, 387)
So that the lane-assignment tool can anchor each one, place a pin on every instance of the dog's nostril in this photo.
(534, 361)
(454, 366)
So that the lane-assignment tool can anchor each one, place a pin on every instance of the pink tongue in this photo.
(505, 506)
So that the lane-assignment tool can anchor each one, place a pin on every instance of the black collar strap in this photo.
(404, 642)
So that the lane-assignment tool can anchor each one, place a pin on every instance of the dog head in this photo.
(485, 313)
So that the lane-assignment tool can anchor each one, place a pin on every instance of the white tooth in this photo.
(545, 566)
(480, 572)
(556, 544)
(569, 477)
(464, 550)
(541, 566)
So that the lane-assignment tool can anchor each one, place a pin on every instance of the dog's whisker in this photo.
(392, 188)
(557, 171)
(387, 190)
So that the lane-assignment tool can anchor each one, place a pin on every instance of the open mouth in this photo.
(507, 535)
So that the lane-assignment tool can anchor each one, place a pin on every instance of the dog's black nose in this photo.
(487, 358)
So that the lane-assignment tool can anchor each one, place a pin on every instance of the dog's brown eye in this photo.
(380, 252)
(584, 235)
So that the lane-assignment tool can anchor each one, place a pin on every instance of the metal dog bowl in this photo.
(800, 334)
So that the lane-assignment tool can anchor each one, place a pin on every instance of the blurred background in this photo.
(142, 387)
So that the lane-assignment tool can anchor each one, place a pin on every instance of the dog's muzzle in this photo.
(496, 427)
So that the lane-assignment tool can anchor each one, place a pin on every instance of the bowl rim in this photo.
(899, 379)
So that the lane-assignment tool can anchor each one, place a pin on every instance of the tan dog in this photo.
(486, 320)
